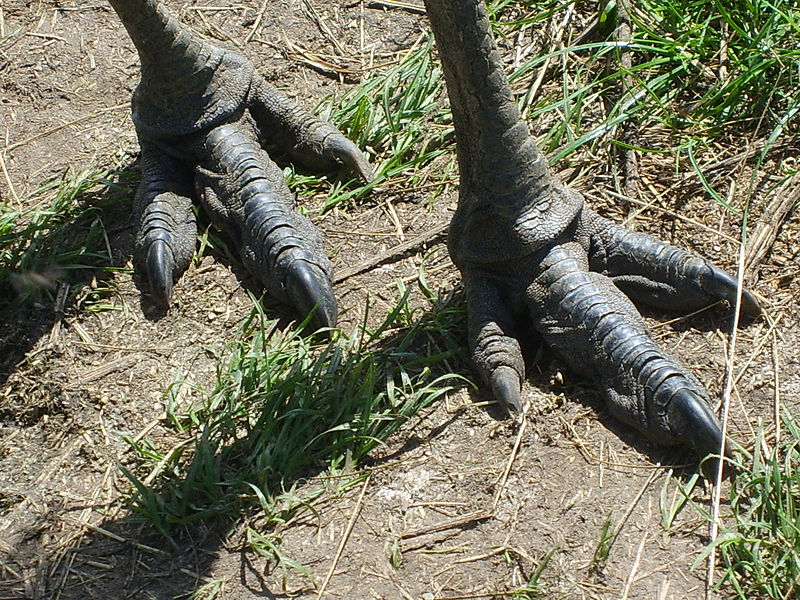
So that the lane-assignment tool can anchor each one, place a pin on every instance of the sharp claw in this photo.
(693, 422)
(309, 290)
(348, 153)
(723, 285)
(506, 387)
(750, 304)
(160, 267)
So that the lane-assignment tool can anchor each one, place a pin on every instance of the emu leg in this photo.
(203, 110)
(529, 249)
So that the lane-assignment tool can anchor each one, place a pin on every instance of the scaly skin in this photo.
(530, 250)
(203, 117)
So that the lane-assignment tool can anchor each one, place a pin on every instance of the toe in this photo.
(659, 274)
(495, 350)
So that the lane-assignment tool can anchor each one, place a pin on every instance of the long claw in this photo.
(160, 268)
(506, 388)
(723, 285)
(653, 272)
(340, 148)
(310, 291)
(692, 421)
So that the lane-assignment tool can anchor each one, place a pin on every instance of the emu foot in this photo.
(204, 119)
(571, 288)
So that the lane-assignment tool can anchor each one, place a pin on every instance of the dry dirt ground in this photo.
(445, 512)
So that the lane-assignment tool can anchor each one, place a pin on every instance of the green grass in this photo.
(700, 70)
(286, 406)
(533, 589)
(737, 59)
(759, 542)
(604, 544)
(397, 117)
(61, 238)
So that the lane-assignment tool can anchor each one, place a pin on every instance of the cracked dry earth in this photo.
(444, 511)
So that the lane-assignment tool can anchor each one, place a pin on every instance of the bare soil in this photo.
(461, 503)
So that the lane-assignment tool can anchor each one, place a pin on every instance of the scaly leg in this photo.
(529, 249)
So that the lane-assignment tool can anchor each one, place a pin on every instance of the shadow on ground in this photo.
(59, 257)
(209, 506)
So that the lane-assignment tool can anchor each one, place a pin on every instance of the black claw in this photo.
(348, 153)
(750, 304)
(693, 422)
(724, 285)
(160, 266)
(309, 290)
(506, 387)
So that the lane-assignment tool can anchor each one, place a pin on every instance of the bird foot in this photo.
(203, 133)
(571, 288)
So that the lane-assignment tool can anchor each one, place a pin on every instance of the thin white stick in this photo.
(8, 181)
(501, 482)
(256, 25)
(345, 537)
(726, 402)
(632, 575)
(776, 395)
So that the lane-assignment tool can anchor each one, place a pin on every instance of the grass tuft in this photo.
(700, 71)
(759, 545)
(399, 117)
(533, 589)
(604, 545)
(61, 235)
(285, 407)
(738, 59)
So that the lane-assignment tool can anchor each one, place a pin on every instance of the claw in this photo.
(160, 266)
(506, 388)
(309, 290)
(692, 421)
(342, 149)
(723, 285)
